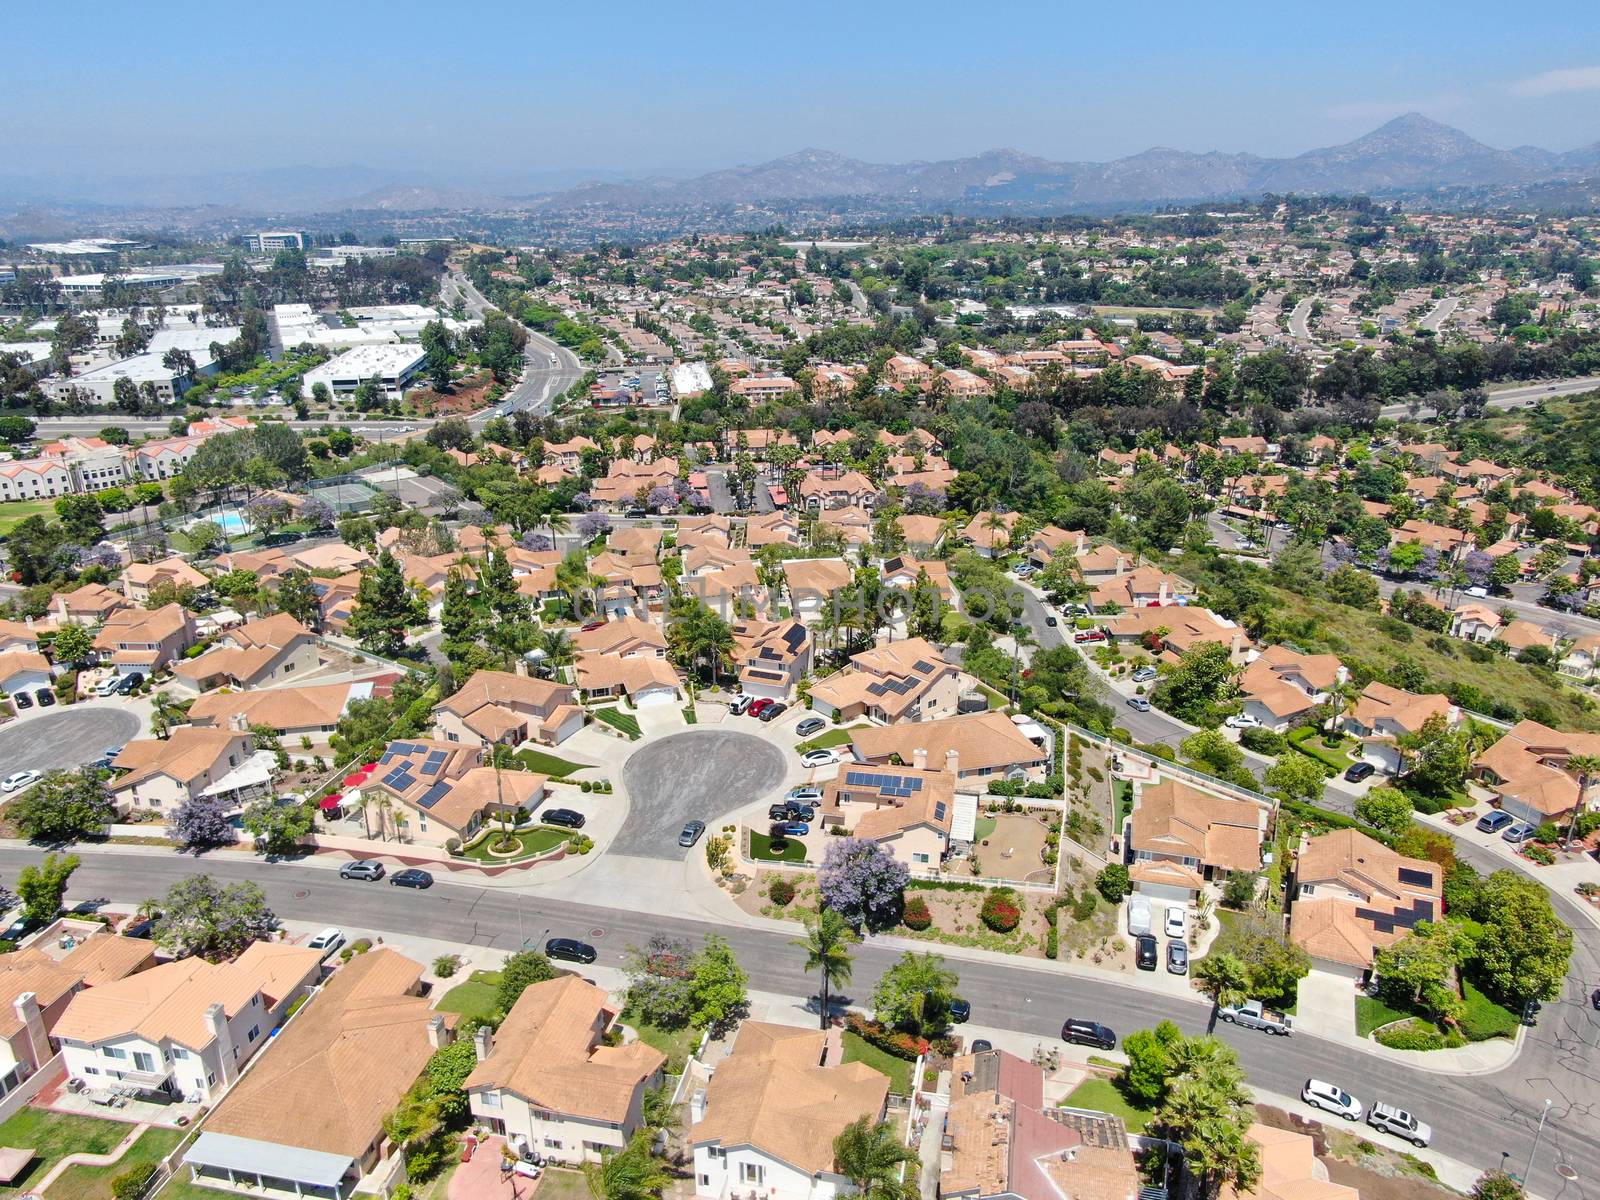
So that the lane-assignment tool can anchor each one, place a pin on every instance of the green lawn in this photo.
(1309, 742)
(617, 719)
(833, 737)
(1101, 1095)
(94, 1183)
(561, 1184)
(676, 1044)
(546, 764)
(1371, 1013)
(982, 828)
(16, 511)
(761, 847)
(995, 699)
(534, 841)
(54, 1136)
(477, 996)
(858, 1049)
(1482, 1019)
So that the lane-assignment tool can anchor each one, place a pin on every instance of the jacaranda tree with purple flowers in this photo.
(200, 823)
(862, 882)
(592, 525)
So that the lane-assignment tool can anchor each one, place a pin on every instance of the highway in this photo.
(1474, 1118)
(1520, 395)
(542, 380)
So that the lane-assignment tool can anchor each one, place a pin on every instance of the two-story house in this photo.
(136, 640)
(1179, 837)
(431, 792)
(508, 709)
(1382, 715)
(1281, 686)
(257, 654)
(163, 773)
(908, 680)
(771, 657)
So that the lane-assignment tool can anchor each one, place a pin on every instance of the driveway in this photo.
(65, 738)
(694, 775)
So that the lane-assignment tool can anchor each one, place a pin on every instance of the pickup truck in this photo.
(1254, 1015)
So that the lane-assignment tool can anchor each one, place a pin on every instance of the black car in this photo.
(565, 817)
(980, 1045)
(1356, 772)
(21, 928)
(22, 700)
(129, 681)
(1145, 952)
(691, 833)
(569, 949)
(144, 927)
(412, 877)
(1088, 1033)
(774, 711)
(778, 812)
(960, 1010)
(45, 697)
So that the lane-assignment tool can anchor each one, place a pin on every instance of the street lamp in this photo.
(1538, 1133)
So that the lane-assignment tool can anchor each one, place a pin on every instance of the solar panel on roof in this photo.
(434, 794)
(1412, 876)
(939, 811)
(435, 762)
(387, 755)
(922, 665)
(393, 776)
(855, 779)
(916, 784)
(406, 781)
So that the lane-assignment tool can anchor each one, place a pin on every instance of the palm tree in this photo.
(827, 946)
(631, 1173)
(1588, 767)
(871, 1156)
(160, 719)
(558, 648)
(555, 523)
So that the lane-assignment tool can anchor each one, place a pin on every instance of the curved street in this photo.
(65, 738)
(1475, 1118)
(697, 775)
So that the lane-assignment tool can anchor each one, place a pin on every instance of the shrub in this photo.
(132, 1183)
(901, 1045)
(1113, 882)
(1262, 741)
(1083, 907)
(446, 965)
(1548, 831)
(580, 843)
(1542, 855)
(452, 846)
(1052, 941)
(1409, 1035)
(586, 786)
(782, 891)
(1000, 911)
(916, 915)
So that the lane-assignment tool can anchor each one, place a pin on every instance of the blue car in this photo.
(796, 829)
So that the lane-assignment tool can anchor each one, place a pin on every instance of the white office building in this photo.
(328, 257)
(271, 241)
(394, 366)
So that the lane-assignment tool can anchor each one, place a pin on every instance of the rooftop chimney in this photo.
(436, 1031)
(952, 762)
(26, 1006)
(483, 1042)
(919, 759)
(227, 1052)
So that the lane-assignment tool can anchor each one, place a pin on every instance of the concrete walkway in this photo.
(90, 1160)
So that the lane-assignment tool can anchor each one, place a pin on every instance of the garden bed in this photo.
(532, 841)
(794, 850)
(619, 720)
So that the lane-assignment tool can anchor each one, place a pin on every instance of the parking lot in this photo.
(695, 775)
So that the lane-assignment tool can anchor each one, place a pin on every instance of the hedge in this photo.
(890, 1041)
(132, 1183)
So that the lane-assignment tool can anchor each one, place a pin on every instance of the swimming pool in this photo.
(230, 522)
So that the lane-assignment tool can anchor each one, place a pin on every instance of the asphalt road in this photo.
(1439, 314)
(542, 381)
(1522, 395)
(66, 738)
(693, 776)
(1298, 326)
(1474, 1118)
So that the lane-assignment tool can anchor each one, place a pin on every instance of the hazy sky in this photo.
(511, 85)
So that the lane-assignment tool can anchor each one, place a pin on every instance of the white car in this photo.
(1175, 923)
(1138, 915)
(1331, 1098)
(329, 940)
(22, 779)
(107, 685)
(739, 705)
(1242, 721)
(819, 758)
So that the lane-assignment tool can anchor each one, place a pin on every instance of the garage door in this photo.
(654, 696)
(1163, 891)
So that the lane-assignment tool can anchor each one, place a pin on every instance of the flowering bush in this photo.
(890, 1041)
(862, 882)
(1000, 911)
(916, 915)
(781, 891)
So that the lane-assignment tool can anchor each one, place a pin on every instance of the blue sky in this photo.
(502, 87)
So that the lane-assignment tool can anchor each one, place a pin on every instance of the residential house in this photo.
(975, 746)
(923, 535)
(163, 773)
(1582, 659)
(901, 572)
(88, 604)
(908, 680)
(771, 657)
(627, 585)
(833, 490)
(906, 810)
(1475, 623)
(1352, 896)
(139, 578)
(852, 523)
(1382, 715)
(438, 791)
(547, 1081)
(1050, 541)
(1168, 632)
(1528, 771)
(623, 637)
(23, 672)
(183, 1029)
(813, 582)
(1142, 587)
(348, 1059)
(508, 710)
(257, 654)
(568, 455)
(1289, 1169)
(990, 532)
(331, 558)
(767, 1120)
(907, 374)
(963, 384)
(1281, 686)
(290, 712)
(775, 528)
(136, 640)
(626, 481)
(645, 680)
(1180, 837)
(759, 388)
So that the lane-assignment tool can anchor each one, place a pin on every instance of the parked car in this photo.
(1138, 915)
(364, 868)
(113, 751)
(570, 949)
(1050, 620)
(778, 812)
(130, 681)
(1331, 1098)
(1174, 927)
(1356, 772)
(740, 705)
(1144, 952)
(757, 707)
(960, 1010)
(775, 710)
(980, 1045)
(21, 779)
(45, 697)
(21, 928)
(796, 829)
(1138, 704)
(1252, 1014)
(329, 940)
(1088, 1033)
(1177, 958)
(691, 833)
(22, 700)
(107, 685)
(819, 758)
(810, 726)
(1144, 674)
(806, 793)
(1400, 1123)
(1089, 635)
(1519, 833)
(412, 877)
(1242, 721)
(565, 817)
(1494, 822)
